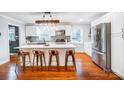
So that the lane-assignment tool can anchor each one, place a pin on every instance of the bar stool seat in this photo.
(39, 55)
(23, 55)
(51, 54)
(70, 53)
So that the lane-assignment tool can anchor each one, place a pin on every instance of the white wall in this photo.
(4, 52)
(4, 38)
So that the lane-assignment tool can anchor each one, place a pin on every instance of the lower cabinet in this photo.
(88, 48)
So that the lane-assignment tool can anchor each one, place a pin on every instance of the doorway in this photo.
(13, 39)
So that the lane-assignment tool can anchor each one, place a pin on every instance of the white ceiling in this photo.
(65, 17)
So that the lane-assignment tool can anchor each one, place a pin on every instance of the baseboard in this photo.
(87, 54)
(5, 60)
(122, 77)
(77, 52)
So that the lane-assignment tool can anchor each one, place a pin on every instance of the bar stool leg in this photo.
(41, 61)
(23, 60)
(57, 60)
(44, 59)
(74, 62)
(37, 61)
(16, 63)
(33, 61)
(30, 61)
(66, 60)
(50, 60)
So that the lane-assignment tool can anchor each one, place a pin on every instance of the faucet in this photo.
(44, 40)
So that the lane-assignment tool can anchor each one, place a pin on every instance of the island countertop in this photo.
(50, 46)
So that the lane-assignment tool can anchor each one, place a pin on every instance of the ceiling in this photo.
(64, 17)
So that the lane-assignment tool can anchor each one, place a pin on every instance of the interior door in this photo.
(13, 38)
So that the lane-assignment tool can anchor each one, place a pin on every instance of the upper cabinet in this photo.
(117, 22)
(116, 19)
(31, 31)
(104, 19)
(35, 30)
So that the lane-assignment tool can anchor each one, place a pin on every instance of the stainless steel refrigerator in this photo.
(101, 46)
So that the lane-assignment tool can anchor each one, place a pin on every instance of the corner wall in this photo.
(4, 38)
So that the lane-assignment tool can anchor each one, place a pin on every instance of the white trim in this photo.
(4, 61)
(122, 77)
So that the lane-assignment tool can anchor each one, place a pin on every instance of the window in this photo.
(12, 34)
(77, 35)
(43, 32)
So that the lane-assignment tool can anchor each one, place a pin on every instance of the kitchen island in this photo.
(61, 48)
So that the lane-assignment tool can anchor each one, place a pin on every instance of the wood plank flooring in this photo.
(86, 70)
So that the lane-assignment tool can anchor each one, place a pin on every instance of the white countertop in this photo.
(51, 45)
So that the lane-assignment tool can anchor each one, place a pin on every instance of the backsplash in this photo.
(60, 38)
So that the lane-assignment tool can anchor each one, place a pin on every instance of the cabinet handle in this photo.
(122, 35)
(122, 30)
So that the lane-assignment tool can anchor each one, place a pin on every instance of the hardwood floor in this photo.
(86, 70)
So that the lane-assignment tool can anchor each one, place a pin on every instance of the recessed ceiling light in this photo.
(81, 20)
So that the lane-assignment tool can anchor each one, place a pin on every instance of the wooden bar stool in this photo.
(51, 54)
(39, 55)
(23, 55)
(70, 53)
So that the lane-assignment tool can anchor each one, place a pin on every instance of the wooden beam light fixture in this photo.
(47, 21)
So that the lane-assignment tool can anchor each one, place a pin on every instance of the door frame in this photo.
(11, 25)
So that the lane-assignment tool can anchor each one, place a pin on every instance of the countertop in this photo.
(50, 46)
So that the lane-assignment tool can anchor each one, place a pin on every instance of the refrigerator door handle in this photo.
(99, 52)
(122, 30)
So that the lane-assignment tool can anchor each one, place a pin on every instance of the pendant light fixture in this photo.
(47, 19)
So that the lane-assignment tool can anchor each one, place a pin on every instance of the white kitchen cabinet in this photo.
(68, 30)
(117, 22)
(117, 54)
(88, 48)
(117, 44)
(31, 31)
